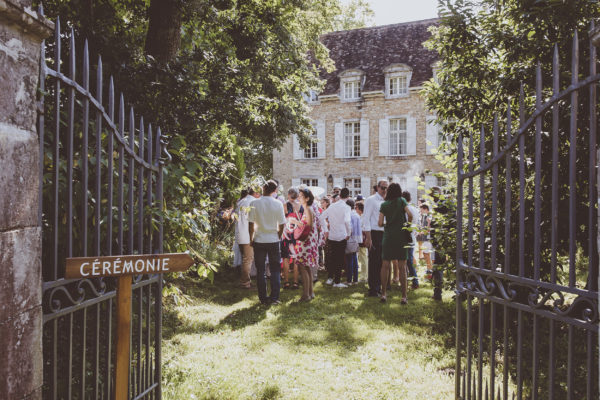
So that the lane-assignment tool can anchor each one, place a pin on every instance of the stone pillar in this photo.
(21, 33)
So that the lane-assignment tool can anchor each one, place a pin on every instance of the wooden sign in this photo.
(124, 267)
(91, 267)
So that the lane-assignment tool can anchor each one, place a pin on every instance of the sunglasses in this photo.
(383, 187)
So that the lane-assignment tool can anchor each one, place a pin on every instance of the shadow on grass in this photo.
(333, 314)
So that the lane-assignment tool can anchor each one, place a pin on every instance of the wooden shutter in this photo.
(431, 135)
(298, 152)
(365, 186)
(339, 140)
(384, 137)
(411, 136)
(364, 138)
(321, 138)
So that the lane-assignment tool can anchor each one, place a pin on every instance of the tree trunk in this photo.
(164, 29)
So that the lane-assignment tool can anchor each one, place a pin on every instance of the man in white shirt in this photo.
(242, 236)
(266, 220)
(338, 215)
(373, 237)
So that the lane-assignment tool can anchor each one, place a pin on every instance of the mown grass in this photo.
(222, 344)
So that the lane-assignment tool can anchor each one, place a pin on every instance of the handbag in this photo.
(302, 232)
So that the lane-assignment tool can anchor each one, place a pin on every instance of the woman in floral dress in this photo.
(307, 250)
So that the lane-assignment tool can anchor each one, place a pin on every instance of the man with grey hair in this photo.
(374, 237)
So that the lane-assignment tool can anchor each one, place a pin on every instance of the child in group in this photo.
(352, 245)
(363, 261)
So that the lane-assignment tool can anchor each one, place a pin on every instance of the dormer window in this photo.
(397, 80)
(350, 85)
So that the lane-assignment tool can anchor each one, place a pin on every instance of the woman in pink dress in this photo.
(307, 250)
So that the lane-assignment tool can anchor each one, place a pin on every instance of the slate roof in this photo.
(373, 49)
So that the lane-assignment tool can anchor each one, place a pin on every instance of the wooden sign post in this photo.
(124, 267)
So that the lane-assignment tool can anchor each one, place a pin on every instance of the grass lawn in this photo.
(222, 344)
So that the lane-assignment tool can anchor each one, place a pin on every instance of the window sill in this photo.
(397, 96)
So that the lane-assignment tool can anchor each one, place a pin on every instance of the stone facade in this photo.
(373, 111)
(21, 33)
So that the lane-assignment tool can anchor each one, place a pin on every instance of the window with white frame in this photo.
(310, 181)
(397, 80)
(312, 151)
(397, 136)
(353, 185)
(313, 96)
(352, 139)
(441, 181)
(351, 89)
(398, 85)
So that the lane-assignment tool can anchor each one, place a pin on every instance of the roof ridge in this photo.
(417, 22)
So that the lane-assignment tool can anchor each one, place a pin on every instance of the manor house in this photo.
(370, 119)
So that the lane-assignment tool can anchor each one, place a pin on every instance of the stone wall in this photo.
(374, 107)
(21, 32)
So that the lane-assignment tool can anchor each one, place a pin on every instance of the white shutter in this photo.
(321, 139)
(365, 186)
(401, 180)
(430, 181)
(412, 187)
(339, 140)
(296, 182)
(338, 182)
(323, 183)
(298, 152)
(411, 136)
(431, 135)
(384, 137)
(364, 138)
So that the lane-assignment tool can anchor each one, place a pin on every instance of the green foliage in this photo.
(354, 14)
(233, 93)
(487, 50)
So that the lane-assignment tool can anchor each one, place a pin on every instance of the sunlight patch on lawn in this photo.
(340, 346)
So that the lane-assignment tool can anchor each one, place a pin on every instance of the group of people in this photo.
(304, 233)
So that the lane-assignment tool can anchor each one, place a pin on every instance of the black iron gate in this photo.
(101, 194)
(527, 254)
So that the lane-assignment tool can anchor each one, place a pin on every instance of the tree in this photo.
(353, 15)
(221, 78)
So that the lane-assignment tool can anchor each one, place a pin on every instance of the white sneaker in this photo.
(340, 285)
(329, 281)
